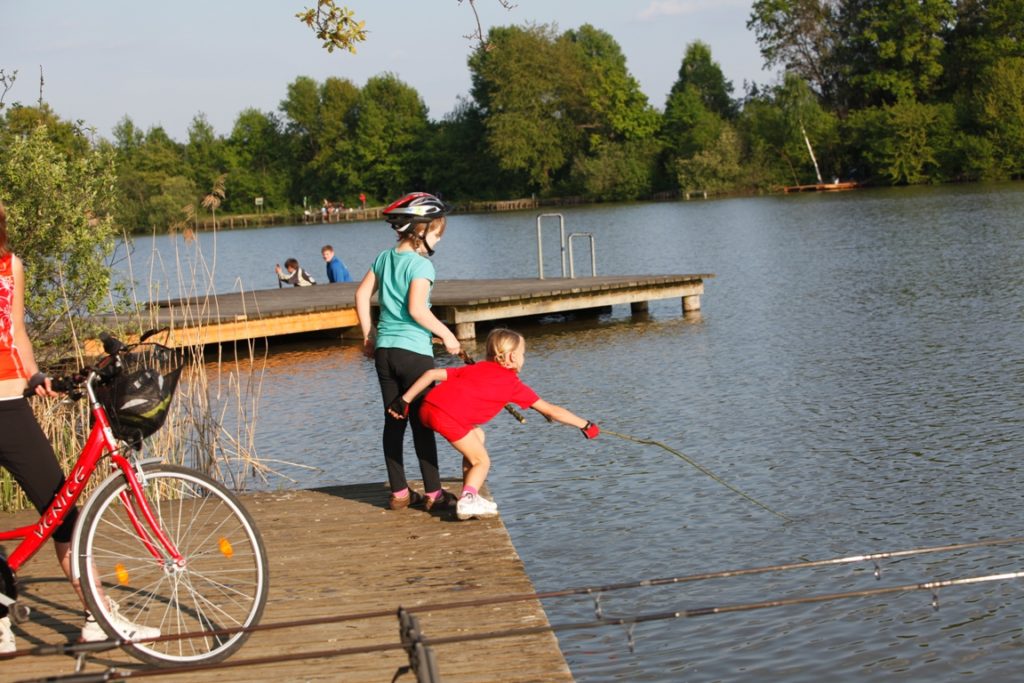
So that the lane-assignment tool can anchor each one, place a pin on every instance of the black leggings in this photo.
(397, 370)
(28, 455)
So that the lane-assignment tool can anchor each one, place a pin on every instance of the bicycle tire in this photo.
(222, 585)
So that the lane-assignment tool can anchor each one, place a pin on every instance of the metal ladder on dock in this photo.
(566, 245)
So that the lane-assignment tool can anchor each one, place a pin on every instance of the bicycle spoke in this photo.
(220, 582)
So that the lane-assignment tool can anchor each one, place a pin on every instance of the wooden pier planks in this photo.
(459, 303)
(336, 551)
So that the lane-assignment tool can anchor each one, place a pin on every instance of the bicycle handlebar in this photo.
(69, 384)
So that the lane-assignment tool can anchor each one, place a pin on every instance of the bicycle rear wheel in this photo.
(220, 585)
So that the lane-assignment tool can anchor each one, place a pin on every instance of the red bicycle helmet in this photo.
(415, 207)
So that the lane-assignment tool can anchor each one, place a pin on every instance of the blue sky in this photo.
(163, 62)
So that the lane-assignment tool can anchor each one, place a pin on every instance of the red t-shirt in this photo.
(473, 394)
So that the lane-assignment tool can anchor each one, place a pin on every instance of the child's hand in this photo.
(590, 430)
(398, 408)
(368, 347)
(452, 345)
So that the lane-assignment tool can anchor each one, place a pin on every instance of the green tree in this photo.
(61, 223)
(457, 160)
(618, 171)
(984, 32)
(204, 152)
(615, 107)
(390, 126)
(901, 143)
(301, 109)
(891, 50)
(705, 75)
(336, 162)
(1001, 111)
(152, 176)
(527, 88)
(716, 168)
(775, 125)
(258, 164)
(69, 137)
(798, 35)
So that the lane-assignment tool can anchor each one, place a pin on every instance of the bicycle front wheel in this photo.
(134, 589)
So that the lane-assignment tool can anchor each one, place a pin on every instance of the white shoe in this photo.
(92, 631)
(474, 505)
(7, 643)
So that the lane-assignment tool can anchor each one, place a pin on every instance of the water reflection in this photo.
(857, 364)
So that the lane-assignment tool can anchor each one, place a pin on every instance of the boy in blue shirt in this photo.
(336, 270)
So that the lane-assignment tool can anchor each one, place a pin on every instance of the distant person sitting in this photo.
(336, 270)
(294, 275)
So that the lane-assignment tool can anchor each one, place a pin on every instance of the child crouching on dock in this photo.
(471, 395)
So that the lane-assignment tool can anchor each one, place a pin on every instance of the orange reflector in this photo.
(225, 547)
(122, 574)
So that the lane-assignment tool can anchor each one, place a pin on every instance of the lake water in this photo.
(858, 365)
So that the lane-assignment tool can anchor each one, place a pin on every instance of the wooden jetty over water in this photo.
(337, 551)
(460, 304)
(822, 187)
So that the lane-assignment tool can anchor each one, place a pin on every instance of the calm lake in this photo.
(858, 365)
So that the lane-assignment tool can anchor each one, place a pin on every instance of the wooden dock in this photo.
(822, 187)
(337, 551)
(459, 303)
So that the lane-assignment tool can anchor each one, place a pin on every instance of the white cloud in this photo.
(670, 8)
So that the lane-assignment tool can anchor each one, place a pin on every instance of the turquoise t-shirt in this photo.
(395, 270)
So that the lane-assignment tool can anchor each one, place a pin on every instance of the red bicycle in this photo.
(163, 546)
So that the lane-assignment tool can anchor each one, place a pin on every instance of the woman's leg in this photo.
(28, 455)
(409, 367)
(394, 429)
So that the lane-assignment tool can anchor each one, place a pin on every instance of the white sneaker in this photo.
(92, 631)
(6, 636)
(474, 505)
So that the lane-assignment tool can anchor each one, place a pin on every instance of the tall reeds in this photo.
(212, 420)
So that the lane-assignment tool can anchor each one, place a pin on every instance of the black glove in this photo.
(36, 380)
(399, 408)
(590, 430)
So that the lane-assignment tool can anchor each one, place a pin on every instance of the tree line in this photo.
(882, 91)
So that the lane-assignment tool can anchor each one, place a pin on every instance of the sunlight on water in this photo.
(858, 365)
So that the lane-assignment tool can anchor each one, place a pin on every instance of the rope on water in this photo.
(690, 461)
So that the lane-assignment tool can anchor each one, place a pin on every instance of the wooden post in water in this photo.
(465, 330)
(638, 307)
(691, 303)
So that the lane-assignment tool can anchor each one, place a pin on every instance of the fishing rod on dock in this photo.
(417, 644)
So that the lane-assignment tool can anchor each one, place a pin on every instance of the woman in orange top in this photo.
(24, 450)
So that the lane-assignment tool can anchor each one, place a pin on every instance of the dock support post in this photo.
(465, 330)
(691, 303)
(638, 307)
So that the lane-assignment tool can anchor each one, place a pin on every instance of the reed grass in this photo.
(211, 425)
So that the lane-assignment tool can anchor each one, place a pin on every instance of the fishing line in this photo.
(690, 461)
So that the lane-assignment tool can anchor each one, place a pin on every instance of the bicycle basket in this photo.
(138, 397)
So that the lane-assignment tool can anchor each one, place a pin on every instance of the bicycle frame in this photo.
(101, 441)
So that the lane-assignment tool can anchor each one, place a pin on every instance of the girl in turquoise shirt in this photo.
(402, 278)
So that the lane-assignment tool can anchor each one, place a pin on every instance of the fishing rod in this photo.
(690, 461)
(114, 673)
(591, 590)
